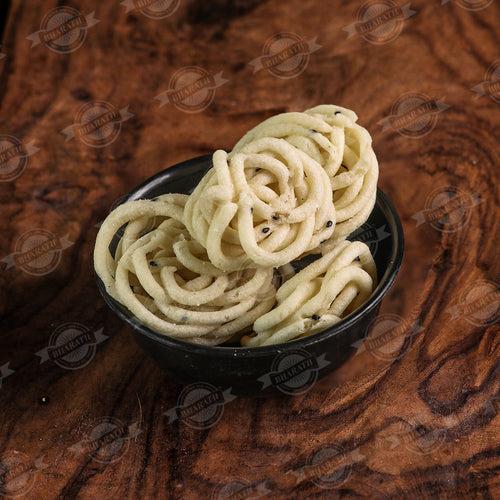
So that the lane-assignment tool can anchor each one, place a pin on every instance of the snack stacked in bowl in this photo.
(217, 266)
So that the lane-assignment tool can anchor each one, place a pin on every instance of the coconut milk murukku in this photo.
(166, 280)
(217, 266)
(262, 207)
(331, 137)
(319, 296)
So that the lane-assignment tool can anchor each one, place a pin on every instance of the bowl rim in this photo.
(385, 283)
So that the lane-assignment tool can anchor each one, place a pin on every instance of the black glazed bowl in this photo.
(292, 367)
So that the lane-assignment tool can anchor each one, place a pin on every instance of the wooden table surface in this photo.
(414, 416)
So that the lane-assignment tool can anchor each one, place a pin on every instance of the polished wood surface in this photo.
(416, 419)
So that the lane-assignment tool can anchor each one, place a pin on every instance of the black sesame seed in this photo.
(257, 169)
(153, 263)
(315, 317)
(251, 210)
(275, 217)
(266, 230)
(322, 242)
(338, 112)
(329, 223)
(315, 131)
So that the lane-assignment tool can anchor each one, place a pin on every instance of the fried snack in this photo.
(331, 137)
(166, 281)
(318, 296)
(263, 207)
(202, 268)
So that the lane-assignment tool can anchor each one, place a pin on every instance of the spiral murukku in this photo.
(262, 207)
(166, 281)
(331, 137)
(204, 267)
(319, 296)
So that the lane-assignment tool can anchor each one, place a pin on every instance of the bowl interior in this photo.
(382, 233)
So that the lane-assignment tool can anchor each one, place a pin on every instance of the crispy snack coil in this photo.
(318, 296)
(166, 280)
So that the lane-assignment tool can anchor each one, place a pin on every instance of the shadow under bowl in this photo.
(290, 368)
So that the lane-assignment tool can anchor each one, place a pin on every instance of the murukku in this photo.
(262, 207)
(330, 136)
(319, 296)
(204, 268)
(166, 281)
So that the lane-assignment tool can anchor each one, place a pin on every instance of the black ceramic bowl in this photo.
(291, 367)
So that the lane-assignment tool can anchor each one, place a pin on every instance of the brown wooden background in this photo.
(446, 379)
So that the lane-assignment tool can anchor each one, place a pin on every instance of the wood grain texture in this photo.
(423, 423)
